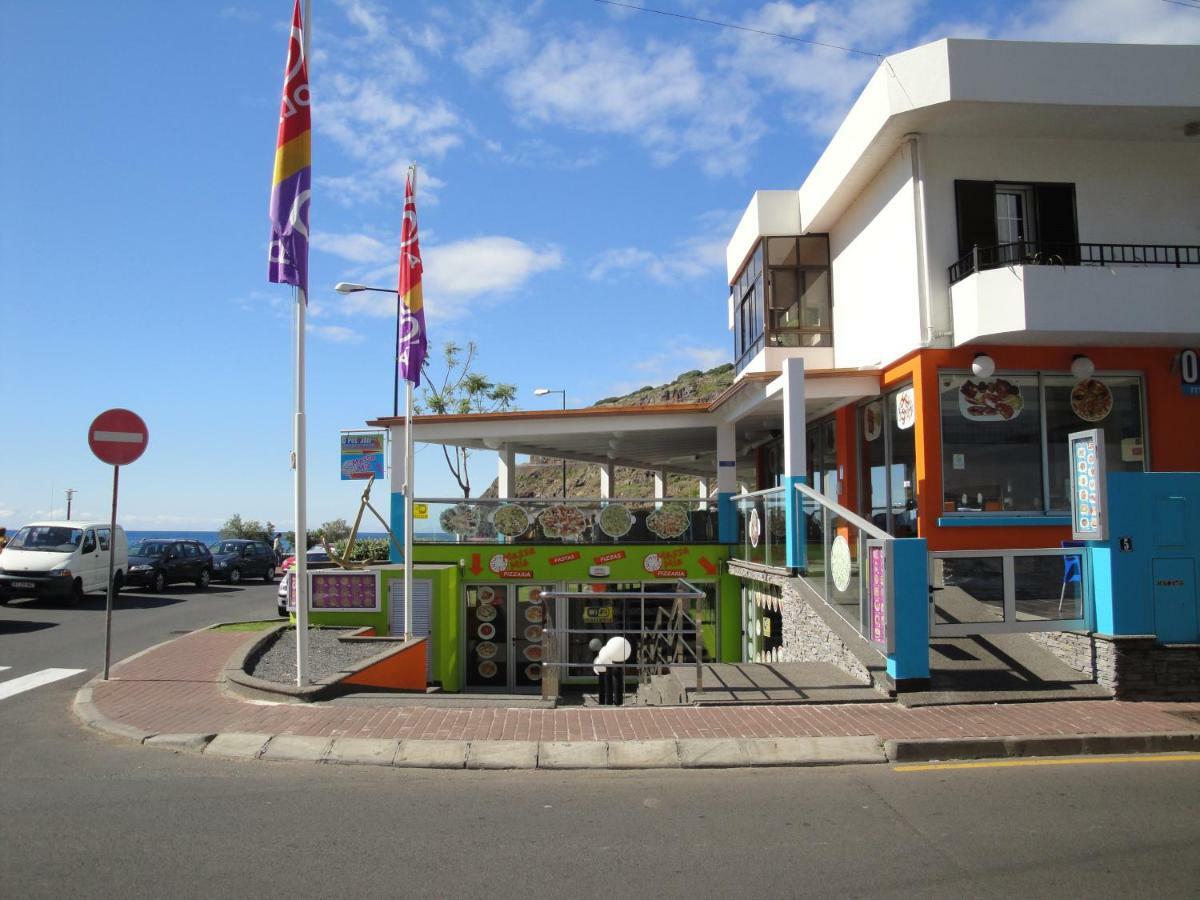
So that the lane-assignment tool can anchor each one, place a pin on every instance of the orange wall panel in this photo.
(403, 671)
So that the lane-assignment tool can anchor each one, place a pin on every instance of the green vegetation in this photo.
(247, 529)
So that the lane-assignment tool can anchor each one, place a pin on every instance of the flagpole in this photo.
(408, 481)
(299, 438)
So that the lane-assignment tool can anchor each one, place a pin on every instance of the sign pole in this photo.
(112, 552)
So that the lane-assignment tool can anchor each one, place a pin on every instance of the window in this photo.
(1012, 223)
(103, 534)
(89, 541)
(188, 551)
(781, 298)
(1004, 440)
(888, 463)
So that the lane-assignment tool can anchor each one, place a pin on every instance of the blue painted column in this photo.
(795, 462)
(397, 524)
(727, 528)
(396, 512)
(908, 663)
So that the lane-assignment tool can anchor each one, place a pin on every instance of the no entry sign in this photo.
(118, 437)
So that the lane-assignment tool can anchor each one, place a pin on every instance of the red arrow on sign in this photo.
(118, 437)
(707, 566)
(476, 568)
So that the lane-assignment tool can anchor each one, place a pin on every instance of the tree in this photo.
(334, 531)
(460, 391)
(250, 529)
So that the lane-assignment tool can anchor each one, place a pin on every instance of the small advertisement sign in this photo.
(342, 590)
(362, 455)
(1189, 372)
(1089, 504)
(877, 593)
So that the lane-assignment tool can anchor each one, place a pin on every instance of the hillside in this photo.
(542, 476)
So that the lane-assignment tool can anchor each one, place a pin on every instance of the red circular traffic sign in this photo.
(118, 436)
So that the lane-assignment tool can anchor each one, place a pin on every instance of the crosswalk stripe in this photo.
(28, 682)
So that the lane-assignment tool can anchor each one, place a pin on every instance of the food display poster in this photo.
(343, 590)
(1089, 512)
(877, 593)
(548, 562)
(362, 455)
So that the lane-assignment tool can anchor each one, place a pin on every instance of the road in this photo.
(86, 815)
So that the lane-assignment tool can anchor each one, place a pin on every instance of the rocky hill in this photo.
(542, 476)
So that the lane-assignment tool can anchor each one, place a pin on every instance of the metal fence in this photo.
(669, 636)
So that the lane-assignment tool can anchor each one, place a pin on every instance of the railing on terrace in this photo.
(1048, 253)
(674, 520)
(985, 591)
(837, 544)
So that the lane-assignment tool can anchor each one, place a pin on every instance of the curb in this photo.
(901, 751)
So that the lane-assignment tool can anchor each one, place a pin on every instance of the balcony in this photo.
(1101, 294)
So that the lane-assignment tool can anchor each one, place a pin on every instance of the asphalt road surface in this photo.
(83, 815)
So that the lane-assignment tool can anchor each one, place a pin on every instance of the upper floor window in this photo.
(1011, 222)
(782, 296)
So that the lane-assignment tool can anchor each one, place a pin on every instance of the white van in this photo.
(62, 559)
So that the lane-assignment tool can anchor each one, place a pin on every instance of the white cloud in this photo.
(1105, 21)
(339, 334)
(504, 43)
(692, 258)
(238, 14)
(360, 248)
(461, 275)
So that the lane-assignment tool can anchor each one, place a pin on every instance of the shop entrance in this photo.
(503, 637)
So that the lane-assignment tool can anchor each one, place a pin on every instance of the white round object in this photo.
(758, 627)
(983, 366)
(750, 650)
(618, 649)
(1082, 368)
(839, 563)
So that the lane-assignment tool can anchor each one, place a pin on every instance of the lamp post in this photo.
(346, 287)
(542, 392)
(70, 493)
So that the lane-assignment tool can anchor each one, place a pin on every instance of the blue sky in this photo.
(582, 168)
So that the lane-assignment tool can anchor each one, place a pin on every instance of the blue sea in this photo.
(208, 538)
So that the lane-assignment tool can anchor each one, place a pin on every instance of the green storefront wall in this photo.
(450, 566)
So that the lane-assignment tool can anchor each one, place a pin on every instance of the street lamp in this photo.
(542, 392)
(349, 287)
(70, 493)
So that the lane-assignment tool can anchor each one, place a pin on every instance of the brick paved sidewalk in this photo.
(176, 688)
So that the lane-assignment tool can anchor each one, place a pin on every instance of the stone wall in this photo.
(806, 635)
(1133, 667)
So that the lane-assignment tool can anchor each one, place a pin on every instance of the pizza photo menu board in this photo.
(1089, 504)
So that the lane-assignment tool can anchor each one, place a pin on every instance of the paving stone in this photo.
(237, 745)
(818, 751)
(300, 747)
(712, 753)
(192, 742)
(431, 754)
(572, 755)
(502, 755)
(362, 751)
(643, 755)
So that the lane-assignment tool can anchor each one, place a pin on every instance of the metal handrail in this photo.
(761, 493)
(860, 523)
(532, 500)
(690, 592)
(1066, 253)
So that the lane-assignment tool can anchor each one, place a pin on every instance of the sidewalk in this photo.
(171, 695)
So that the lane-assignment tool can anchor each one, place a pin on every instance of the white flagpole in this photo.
(299, 440)
(408, 484)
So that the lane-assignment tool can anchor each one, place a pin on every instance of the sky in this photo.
(582, 167)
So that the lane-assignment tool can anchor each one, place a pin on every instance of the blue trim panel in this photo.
(1001, 521)
(397, 517)
(727, 525)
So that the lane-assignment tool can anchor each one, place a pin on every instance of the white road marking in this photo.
(37, 679)
(5, 668)
(119, 437)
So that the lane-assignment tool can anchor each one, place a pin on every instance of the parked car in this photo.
(62, 559)
(317, 559)
(155, 563)
(234, 560)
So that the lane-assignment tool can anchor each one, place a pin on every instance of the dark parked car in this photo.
(156, 563)
(234, 560)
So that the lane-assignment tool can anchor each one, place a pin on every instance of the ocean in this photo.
(208, 538)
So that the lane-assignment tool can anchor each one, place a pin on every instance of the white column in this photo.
(795, 447)
(660, 485)
(703, 489)
(608, 479)
(506, 472)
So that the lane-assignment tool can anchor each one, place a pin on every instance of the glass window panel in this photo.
(814, 250)
(1048, 587)
(755, 264)
(973, 592)
(902, 470)
(873, 485)
(784, 288)
(816, 300)
(828, 457)
(991, 443)
(781, 251)
(1110, 402)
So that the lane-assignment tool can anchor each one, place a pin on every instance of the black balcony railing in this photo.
(1045, 253)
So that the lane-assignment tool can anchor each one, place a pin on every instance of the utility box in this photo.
(1175, 615)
